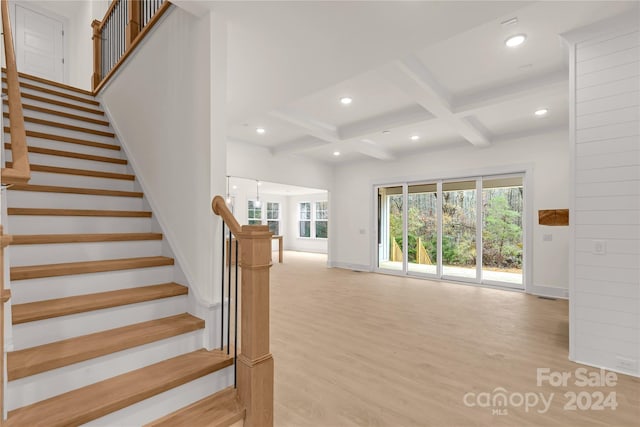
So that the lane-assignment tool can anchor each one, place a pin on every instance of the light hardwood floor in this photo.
(360, 349)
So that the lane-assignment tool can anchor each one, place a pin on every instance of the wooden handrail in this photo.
(20, 172)
(220, 208)
(133, 35)
(255, 362)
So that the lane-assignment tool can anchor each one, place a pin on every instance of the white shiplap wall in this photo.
(605, 288)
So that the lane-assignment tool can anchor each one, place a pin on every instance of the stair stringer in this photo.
(197, 304)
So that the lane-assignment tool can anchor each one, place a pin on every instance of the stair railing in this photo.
(19, 172)
(254, 364)
(123, 27)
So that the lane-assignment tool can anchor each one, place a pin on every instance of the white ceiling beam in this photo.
(299, 145)
(411, 76)
(318, 129)
(401, 117)
(371, 149)
(550, 82)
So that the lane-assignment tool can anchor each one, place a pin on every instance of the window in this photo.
(254, 213)
(273, 217)
(304, 217)
(313, 220)
(321, 220)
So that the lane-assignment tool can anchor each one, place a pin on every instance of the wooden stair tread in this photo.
(77, 212)
(221, 409)
(44, 135)
(71, 154)
(74, 190)
(39, 310)
(62, 114)
(34, 360)
(66, 126)
(26, 85)
(58, 103)
(96, 400)
(43, 239)
(80, 172)
(85, 267)
(51, 83)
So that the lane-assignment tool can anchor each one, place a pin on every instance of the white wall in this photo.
(296, 243)
(605, 287)
(161, 106)
(253, 162)
(353, 232)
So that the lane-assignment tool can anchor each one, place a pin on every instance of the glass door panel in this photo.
(459, 229)
(422, 228)
(502, 236)
(390, 228)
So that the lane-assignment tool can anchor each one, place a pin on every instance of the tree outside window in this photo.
(273, 217)
(322, 217)
(254, 213)
(304, 219)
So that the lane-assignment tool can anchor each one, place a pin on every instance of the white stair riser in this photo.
(36, 199)
(35, 388)
(45, 288)
(66, 120)
(64, 109)
(75, 252)
(35, 224)
(35, 127)
(69, 146)
(52, 87)
(56, 97)
(40, 332)
(69, 162)
(165, 403)
(80, 181)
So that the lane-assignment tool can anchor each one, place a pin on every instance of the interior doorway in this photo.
(39, 44)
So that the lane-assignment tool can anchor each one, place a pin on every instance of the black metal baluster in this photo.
(235, 327)
(229, 294)
(222, 293)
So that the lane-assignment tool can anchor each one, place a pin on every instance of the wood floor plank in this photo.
(58, 103)
(66, 126)
(221, 409)
(81, 172)
(39, 310)
(77, 212)
(84, 267)
(75, 190)
(71, 154)
(34, 360)
(88, 403)
(43, 239)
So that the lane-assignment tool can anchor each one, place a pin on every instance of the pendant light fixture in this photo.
(258, 203)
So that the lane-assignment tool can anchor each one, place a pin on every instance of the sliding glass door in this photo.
(459, 229)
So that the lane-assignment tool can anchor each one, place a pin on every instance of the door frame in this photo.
(526, 170)
(51, 14)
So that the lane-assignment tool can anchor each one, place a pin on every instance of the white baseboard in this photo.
(348, 266)
(548, 291)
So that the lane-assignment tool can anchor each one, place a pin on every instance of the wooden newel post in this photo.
(133, 25)
(255, 363)
(5, 295)
(96, 78)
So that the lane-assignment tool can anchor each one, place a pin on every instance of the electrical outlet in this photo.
(626, 364)
(547, 237)
(599, 247)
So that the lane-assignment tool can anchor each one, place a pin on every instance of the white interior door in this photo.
(39, 44)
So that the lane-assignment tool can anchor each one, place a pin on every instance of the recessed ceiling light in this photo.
(415, 137)
(345, 100)
(336, 153)
(516, 40)
(260, 130)
(541, 112)
(235, 187)
(386, 132)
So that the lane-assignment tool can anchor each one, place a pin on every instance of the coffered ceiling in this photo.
(439, 72)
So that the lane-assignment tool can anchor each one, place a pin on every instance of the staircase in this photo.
(100, 329)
